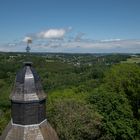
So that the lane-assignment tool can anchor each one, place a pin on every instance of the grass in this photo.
(132, 60)
(67, 94)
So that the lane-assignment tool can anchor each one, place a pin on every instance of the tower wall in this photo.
(26, 113)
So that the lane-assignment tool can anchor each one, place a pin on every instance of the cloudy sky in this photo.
(84, 26)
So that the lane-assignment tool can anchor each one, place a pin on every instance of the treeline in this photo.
(85, 102)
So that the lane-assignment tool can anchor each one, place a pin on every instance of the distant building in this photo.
(28, 109)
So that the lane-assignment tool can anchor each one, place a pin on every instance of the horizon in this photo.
(82, 53)
(91, 26)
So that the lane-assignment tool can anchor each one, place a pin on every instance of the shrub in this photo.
(74, 120)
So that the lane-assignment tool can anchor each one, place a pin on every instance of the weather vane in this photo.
(29, 41)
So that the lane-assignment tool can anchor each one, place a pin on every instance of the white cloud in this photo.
(90, 46)
(124, 46)
(12, 44)
(27, 38)
(111, 40)
(79, 36)
(52, 34)
(58, 40)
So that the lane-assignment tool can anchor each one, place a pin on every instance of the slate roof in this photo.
(42, 131)
(27, 85)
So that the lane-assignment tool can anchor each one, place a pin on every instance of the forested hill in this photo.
(90, 97)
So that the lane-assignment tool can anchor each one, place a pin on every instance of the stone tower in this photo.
(28, 109)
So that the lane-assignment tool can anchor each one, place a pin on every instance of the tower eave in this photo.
(42, 131)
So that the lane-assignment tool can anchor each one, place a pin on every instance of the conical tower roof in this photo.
(27, 85)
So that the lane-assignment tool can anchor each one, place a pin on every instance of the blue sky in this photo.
(70, 25)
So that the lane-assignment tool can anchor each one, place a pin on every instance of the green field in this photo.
(132, 60)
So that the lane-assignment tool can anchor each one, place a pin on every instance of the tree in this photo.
(125, 78)
(117, 115)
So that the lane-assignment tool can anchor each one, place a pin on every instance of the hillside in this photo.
(90, 97)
